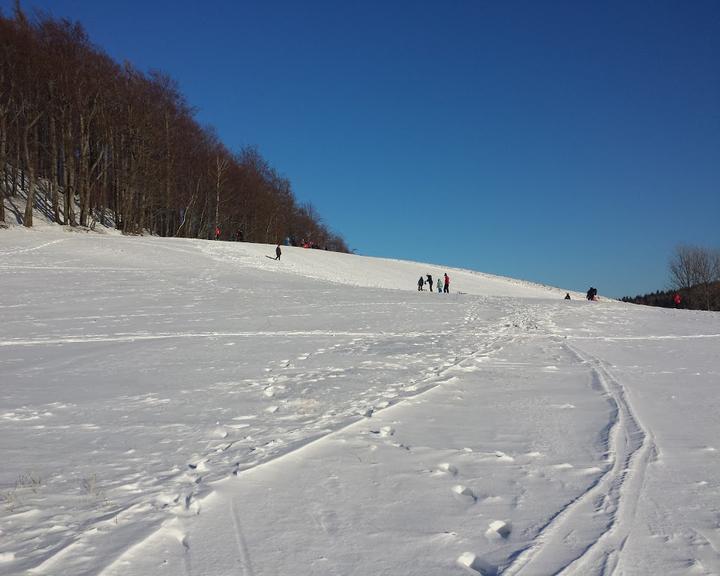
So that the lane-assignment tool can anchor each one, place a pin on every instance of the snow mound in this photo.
(473, 563)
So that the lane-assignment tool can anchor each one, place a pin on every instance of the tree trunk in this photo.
(30, 173)
(16, 167)
(54, 196)
(83, 186)
(3, 163)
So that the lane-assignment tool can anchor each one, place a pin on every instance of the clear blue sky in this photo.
(574, 143)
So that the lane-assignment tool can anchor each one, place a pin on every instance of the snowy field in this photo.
(196, 408)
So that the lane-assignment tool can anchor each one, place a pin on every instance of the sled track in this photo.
(243, 557)
(586, 538)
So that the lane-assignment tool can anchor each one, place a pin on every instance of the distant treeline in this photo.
(694, 277)
(91, 140)
(690, 299)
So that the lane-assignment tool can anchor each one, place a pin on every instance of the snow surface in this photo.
(187, 407)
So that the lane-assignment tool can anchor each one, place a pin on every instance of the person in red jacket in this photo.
(446, 287)
(677, 299)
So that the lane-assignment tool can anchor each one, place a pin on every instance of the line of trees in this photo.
(694, 275)
(90, 140)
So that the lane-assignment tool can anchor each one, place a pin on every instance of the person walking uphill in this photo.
(446, 288)
(278, 252)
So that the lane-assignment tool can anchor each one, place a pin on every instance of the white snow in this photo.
(175, 406)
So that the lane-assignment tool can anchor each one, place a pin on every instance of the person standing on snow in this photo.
(439, 286)
(446, 288)
(420, 284)
(430, 282)
(278, 252)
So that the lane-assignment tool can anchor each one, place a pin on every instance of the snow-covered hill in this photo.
(175, 406)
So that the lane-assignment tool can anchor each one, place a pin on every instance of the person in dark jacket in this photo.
(592, 293)
(567, 295)
(278, 252)
(430, 282)
(421, 281)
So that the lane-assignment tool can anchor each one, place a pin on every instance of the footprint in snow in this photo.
(447, 468)
(498, 530)
(502, 457)
(384, 432)
(464, 493)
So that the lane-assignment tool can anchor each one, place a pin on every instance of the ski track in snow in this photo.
(31, 248)
(242, 547)
(182, 335)
(604, 513)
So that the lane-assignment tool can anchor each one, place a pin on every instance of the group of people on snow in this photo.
(443, 285)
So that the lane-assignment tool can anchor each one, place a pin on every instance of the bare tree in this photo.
(222, 161)
(695, 270)
(682, 275)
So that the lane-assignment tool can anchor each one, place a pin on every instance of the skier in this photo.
(430, 282)
(420, 283)
(439, 286)
(278, 252)
(446, 288)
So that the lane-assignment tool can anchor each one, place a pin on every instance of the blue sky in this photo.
(573, 143)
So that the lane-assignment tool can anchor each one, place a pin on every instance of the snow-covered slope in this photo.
(174, 406)
(371, 272)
